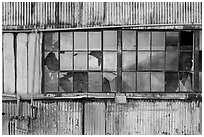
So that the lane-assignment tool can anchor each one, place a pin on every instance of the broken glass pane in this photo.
(158, 40)
(186, 40)
(50, 81)
(143, 40)
(66, 40)
(143, 82)
(109, 61)
(171, 82)
(80, 61)
(129, 61)
(95, 81)
(51, 41)
(94, 40)
(128, 81)
(80, 40)
(66, 60)
(51, 61)
(171, 42)
(157, 81)
(185, 61)
(129, 40)
(171, 61)
(66, 82)
(157, 62)
(143, 60)
(109, 81)
(109, 40)
(80, 82)
(95, 60)
(185, 81)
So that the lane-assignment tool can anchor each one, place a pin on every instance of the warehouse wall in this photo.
(138, 117)
(21, 15)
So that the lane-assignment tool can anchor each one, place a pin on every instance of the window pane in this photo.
(172, 39)
(128, 81)
(95, 40)
(66, 82)
(80, 82)
(51, 61)
(185, 82)
(200, 81)
(186, 40)
(66, 61)
(95, 82)
(129, 40)
(171, 61)
(129, 61)
(109, 81)
(80, 40)
(80, 61)
(66, 40)
(143, 60)
(171, 81)
(51, 41)
(200, 60)
(157, 81)
(185, 61)
(158, 40)
(143, 40)
(110, 61)
(95, 60)
(200, 40)
(110, 40)
(143, 81)
(50, 81)
(157, 62)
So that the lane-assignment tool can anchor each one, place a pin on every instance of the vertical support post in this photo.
(196, 61)
(119, 61)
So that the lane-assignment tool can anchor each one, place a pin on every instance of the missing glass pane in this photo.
(66, 82)
(129, 61)
(143, 60)
(80, 40)
(109, 61)
(66, 61)
(171, 82)
(171, 61)
(143, 40)
(128, 81)
(172, 40)
(185, 81)
(109, 81)
(80, 82)
(66, 40)
(94, 40)
(50, 81)
(95, 60)
(51, 61)
(129, 40)
(186, 61)
(143, 82)
(51, 41)
(200, 81)
(80, 61)
(109, 40)
(186, 40)
(200, 40)
(95, 81)
(157, 81)
(158, 40)
(157, 61)
(200, 60)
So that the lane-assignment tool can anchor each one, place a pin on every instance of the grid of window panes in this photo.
(74, 61)
(152, 61)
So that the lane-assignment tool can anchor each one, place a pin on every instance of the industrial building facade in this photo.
(110, 68)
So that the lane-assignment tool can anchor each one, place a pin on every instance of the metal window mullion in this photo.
(178, 61)
(150, 61)
(102, 58)
(58, 61)
(119, 61)
(164, 71)
(15, 62)
(136, 42)
(43, 68)
(87, 61)
(73, 60)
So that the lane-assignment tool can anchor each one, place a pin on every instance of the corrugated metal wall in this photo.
(22, 15)
(138, 117)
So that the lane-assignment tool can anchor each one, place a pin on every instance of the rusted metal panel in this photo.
(86, 14)
(153, 117)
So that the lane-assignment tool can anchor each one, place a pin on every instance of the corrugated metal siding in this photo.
(137, 117)
(22, 15)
